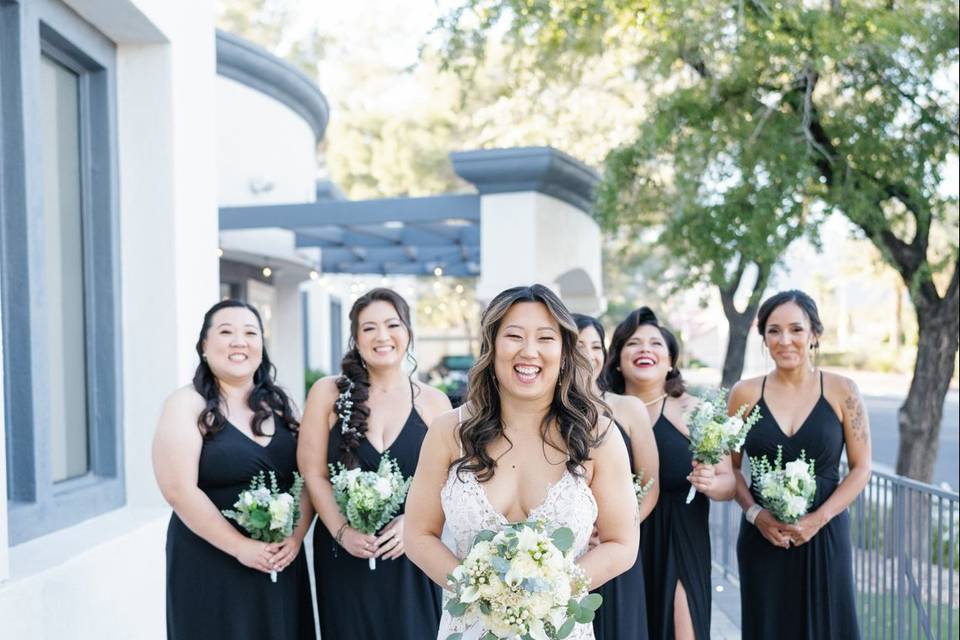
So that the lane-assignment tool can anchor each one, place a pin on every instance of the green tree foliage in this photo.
(766, 113)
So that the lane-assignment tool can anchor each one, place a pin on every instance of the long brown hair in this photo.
(574, 408)
(354, 377)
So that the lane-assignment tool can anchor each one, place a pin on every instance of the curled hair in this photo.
(266, 398)
(583, 321)
(799, 298)
(574, 407)
(674, 385)
(353, 371)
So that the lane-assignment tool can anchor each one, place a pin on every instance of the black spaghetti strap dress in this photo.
(210, 595)
(623, 613)
(805, 592)
(675, 539)
(396, 601)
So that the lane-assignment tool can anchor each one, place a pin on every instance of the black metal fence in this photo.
(905, 557)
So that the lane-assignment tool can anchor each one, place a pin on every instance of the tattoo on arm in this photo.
(856, 413)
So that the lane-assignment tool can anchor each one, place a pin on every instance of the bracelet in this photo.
(337, 538)
(752, 514)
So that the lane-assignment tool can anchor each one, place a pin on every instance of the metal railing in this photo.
(905, 557)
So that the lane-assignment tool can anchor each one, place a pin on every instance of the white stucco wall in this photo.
(104, 577)
(4, 552)
(262, 143)
(530, 237)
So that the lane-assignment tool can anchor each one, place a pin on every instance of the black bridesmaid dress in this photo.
(675, 539)
(623, 613)
(210, 595)
(805, 592)
(395, 601)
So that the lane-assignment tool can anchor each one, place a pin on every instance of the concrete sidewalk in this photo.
(725, 614)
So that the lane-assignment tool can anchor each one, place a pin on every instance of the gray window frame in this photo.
(36, 505)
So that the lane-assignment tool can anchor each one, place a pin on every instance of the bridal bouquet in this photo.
(785, 491)
(265, 512)
(369, 499)
(522, 583)
(714, 434)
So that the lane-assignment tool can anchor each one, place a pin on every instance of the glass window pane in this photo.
(63, 255)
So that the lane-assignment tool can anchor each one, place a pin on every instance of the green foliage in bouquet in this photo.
(369, 500)
(714, 434)
(785, 491)
(264, 511)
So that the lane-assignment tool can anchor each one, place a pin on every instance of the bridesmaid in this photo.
(214, 436)
(796, 581)
(390, 412)
(624, 611)
(675, 539)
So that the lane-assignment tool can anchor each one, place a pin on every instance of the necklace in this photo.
(660, 397)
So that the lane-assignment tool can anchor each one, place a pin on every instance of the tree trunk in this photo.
(920, 415)
(740, 323)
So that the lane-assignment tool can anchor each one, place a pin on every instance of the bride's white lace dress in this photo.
(568, 503)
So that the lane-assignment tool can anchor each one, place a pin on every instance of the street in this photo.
(883, 427)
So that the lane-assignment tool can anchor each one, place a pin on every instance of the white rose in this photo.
(796, 505)
(732, 426)
(262, 495)
(383, 488)
(280, 511)
(527, 539)
(797, 470)
(707, 408)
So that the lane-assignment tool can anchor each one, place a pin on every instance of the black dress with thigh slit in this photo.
(210, 595)
(623, 613)
(675, 539)
(805, 592)
(395, 601)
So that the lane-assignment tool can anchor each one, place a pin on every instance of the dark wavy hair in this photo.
(802, 300)
(354, 370)
(574, 407)
(583, 321)
(674, 385)
(266, 398)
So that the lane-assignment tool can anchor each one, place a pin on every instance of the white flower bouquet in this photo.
(369, 499)
(641, 488)
(522, 583)
(265, 512)
(714, 434)
(785, 491)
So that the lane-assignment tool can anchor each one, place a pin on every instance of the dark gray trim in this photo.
(302, 217)
(258, 69)
(37, 505)
(542, 169)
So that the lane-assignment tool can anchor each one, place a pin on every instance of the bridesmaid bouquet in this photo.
(641, 488)
(369, 499)
(714, 434)
(266, 513)
(522, 582)
(785, 491)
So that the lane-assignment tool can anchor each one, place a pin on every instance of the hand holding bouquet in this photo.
(714, 434)
(369, 499)
(265, 512)
(786, 492)
(522, 582)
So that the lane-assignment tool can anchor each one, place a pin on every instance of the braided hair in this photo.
(354, 380)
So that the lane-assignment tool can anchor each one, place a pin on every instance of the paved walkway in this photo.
(725, 617)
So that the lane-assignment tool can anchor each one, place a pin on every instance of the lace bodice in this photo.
(568, 503)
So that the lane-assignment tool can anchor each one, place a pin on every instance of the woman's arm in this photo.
(646, 459)
(618, 515)
(770, 528)
(424, 513)
(176, 460)
(312, 462)
(856, 435)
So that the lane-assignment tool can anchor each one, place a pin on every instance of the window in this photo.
(59, 261)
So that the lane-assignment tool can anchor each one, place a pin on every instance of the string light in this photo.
(314, 275)
(267, 272)
(438, 271)
(219, 252)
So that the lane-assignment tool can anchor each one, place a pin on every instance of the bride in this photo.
(528, 443)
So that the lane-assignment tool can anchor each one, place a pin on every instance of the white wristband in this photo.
(752, 514)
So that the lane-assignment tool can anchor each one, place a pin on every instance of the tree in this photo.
(852, 107)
